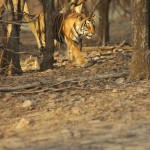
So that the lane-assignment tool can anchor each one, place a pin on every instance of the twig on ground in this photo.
(113, 48)
(119, 46)
(36, 84)
(20, 87)
(51, 90)
(117, 75)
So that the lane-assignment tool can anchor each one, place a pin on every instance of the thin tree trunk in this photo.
(140, 64)
(4, 60)
(5, 55)
(10, 62)
(103, 32)
(48, 51)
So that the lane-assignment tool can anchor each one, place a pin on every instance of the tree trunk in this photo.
(10, 62)
(103, 31)
(13, 44)
(140, 64)
(48, 51)
(3, 40)
(5, 56)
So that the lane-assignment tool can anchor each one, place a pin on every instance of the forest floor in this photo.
(71, 108)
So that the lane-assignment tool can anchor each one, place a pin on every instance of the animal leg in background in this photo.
(75, 54)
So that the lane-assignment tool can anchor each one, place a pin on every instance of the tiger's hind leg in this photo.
(69, 54)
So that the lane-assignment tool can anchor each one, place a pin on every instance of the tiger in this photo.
(69, 28)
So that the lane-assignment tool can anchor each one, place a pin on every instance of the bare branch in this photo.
(19, 53)
(36, 84)
(27, 86)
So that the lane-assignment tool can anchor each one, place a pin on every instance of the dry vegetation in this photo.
(76, 108)
(71, 108)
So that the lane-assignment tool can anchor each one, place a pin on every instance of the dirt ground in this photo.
(71, 108)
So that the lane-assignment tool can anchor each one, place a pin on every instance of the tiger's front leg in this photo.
(69, 55)
(75, 55)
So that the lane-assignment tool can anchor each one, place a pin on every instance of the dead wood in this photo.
(114, 48)
(52, 90)
(120, 45)
(33, 85)
(36, 84)
(117, 75)
(20, 87)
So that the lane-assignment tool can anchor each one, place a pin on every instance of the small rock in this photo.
(96, 58)
(22, 124)
(48, 71)
(52, 96)
(22, 98)
(142, 90)
(114, 90)
(7, 97)
(120, 80)
(73, 93)
(130, 96)
(1, 135)
(57, 53)
(77, 134)
(107, 87)
(76, 111)
(65, 94)
(64, 63)
(93, 71)
(27, 103)
(92, 98)
(29, 60)
(147, 99)
(66, 133)
(86, 73)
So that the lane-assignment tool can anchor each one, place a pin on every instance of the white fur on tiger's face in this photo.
(89, 28)
(85, 26)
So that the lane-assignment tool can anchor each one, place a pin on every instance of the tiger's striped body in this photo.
(68, 28)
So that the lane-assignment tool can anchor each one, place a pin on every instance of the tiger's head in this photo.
(86, 26)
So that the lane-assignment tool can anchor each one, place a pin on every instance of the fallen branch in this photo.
(117, 75)
(119, 46)
(114, 48)
(52, 90)
(36, 84)
(29, 86)
(21, 87)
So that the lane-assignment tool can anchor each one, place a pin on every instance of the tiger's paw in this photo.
(88, 64)
(81, 63)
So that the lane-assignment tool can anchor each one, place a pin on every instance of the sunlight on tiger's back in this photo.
(68, 28)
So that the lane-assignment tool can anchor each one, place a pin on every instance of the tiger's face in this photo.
(87, 27)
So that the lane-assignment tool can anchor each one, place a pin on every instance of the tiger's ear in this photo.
(80, 18)
(93, 15)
